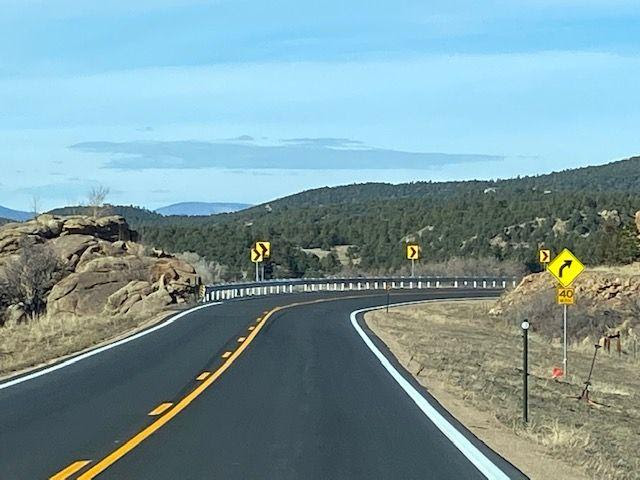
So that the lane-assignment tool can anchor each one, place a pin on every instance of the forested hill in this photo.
(589, 210)
(621, 176)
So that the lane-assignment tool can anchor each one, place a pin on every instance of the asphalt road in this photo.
(303, 397)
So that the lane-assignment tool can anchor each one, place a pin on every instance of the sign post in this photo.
(565, 268)
(413, 254)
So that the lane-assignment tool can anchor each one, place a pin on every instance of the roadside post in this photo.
(525, 371)
(388, 295)
(413, 254)
(565, 268)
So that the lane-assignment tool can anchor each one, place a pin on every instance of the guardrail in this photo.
(298, 285)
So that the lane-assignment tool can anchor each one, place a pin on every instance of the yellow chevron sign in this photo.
(413, 251)
(545, 255)
(256, 255)
(264, 248)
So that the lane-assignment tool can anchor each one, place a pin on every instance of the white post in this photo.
(455, 283)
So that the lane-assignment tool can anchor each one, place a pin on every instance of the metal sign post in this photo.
(564, 358)
(565, 296)
(413, 268)
(565, 268)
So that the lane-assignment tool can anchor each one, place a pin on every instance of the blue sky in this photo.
(244, 101)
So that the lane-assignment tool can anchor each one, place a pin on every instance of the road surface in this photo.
(239, 393)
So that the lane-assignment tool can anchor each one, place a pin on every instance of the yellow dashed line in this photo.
(203, 375)
(163, 407)
(70, 470)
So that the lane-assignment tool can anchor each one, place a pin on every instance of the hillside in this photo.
(14, 215)
(589, 210)
(200, 208)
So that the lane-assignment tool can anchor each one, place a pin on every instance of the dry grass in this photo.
(46, 339)
(478, 360)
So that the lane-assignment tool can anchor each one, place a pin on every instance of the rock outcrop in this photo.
(612, 289)
(106, 271)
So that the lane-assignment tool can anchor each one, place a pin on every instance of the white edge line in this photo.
(104, 348)
(462, 443)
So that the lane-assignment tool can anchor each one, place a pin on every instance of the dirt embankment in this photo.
(471, 362)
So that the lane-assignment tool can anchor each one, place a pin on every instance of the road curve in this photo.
(300, 396)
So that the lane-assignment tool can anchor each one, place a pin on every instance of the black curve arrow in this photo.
(566, 264)
(264, 249)
(413, 252)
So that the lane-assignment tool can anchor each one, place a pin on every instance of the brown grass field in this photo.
(473, 365)
(45, 339)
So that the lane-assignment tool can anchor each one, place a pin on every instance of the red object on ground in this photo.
(557, 372)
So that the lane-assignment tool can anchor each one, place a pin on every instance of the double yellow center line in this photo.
(126, 447)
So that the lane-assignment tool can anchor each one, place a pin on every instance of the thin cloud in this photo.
(293, 154)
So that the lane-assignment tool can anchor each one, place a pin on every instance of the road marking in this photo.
(136, 440)
(163, 407)
(251, 327)
(70, 470)
(104, 348)
(226, 354)
(462, 443)
(241, 339)
(203, 375)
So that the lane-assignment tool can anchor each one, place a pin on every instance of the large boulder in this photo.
(112, 228)
(84, 294)
(107, 272)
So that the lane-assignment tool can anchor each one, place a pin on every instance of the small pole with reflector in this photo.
(525, 371)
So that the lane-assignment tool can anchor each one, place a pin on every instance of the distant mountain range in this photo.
(14, 214)
(200, 208)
